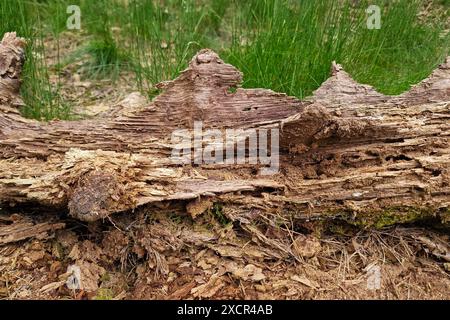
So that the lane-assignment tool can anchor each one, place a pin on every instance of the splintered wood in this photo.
(21, 228)
(348, 150)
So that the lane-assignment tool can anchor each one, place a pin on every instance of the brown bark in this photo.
(347, 149)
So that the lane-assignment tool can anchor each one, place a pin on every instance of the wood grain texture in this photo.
(347, 149)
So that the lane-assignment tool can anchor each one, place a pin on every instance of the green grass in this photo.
(106, 58)
(284, 45)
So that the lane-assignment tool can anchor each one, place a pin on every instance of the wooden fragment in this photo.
(346, 149)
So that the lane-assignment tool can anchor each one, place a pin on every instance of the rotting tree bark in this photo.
(347, 150)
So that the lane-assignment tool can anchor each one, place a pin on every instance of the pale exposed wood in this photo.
(347, 149)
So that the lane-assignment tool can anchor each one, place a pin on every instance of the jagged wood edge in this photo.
(100, 166)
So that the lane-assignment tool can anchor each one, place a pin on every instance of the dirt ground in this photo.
(157, 253)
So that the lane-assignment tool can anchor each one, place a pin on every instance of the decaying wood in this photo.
(347, 149)
(23, 229)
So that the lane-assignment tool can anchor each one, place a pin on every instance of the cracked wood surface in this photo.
(346, 149)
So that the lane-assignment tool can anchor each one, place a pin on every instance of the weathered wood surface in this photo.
(346, 149)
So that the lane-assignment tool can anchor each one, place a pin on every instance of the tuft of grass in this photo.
(164, 37)
(104, 294)
(284, 45)
(107, 58)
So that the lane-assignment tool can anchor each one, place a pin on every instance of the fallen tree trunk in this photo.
(347, 150)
